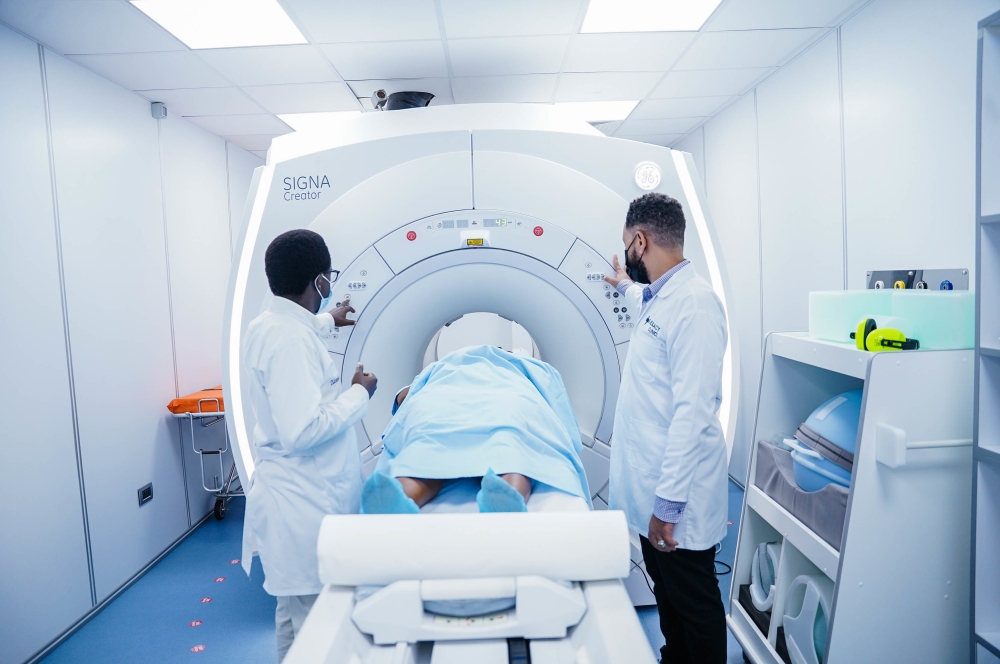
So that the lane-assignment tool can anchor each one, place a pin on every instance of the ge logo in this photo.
(647, 176)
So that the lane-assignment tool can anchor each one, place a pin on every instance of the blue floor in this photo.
(151, 621)
(648, 616)
(163, 618)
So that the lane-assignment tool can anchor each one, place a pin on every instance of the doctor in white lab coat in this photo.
(304, 446)
(668, 456)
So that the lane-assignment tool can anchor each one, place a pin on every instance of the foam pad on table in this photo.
(381, 549)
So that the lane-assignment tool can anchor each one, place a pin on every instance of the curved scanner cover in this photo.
(807, 615)
(763, 573)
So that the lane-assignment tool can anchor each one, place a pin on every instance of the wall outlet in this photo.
(145, 494)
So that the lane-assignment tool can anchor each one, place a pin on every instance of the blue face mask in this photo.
(324, 301)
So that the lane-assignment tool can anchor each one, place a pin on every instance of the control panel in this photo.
(587, 269)
(360, 281)
(470, 230)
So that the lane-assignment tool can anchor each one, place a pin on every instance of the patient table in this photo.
(450, 552)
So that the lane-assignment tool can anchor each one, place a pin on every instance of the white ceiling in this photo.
(463, 51)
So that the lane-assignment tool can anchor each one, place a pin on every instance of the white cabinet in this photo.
(986, 476)
(900, 570)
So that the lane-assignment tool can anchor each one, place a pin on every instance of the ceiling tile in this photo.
(684, 107)
(494, 56)
(153, 71)
(399, 59)
(750, 48)
(260, 153)
(607, 128)
(708, 83)
(488, 18)
(332, 21)
(252, 142)
(640, 51)
(516, 89)
(204, 101)
(772, 14)
(270, 65)
(661, 126)
(241, 125)
(88, 26)
(304, 97)
(665, 140)
(609, 86)
(439, 87)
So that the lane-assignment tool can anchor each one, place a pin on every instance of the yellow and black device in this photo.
(474, 242)
(869, 337)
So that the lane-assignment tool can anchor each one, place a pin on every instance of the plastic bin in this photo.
(833, 315)
(939, 320)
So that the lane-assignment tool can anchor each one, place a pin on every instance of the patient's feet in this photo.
(496, 495)
(382, 494)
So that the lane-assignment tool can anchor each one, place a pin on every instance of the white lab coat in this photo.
(304, 446)
(668, 441)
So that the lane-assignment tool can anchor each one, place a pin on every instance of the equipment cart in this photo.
(206, 407)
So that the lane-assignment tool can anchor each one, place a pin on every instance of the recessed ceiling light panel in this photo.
(223, 23)
(597, 111)
(647, 15)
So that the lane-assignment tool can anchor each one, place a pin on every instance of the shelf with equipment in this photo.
(985, 519)
(911, 468)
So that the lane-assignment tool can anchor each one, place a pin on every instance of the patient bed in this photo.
(561, 562)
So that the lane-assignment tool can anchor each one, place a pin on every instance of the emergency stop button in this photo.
(538, 231)
(411, 236)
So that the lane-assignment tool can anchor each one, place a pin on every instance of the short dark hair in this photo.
(294, 259)
(660, 216)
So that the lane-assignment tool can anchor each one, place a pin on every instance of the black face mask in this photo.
(634, 267)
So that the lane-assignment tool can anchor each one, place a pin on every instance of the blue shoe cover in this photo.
(382, 494)
(495, 495)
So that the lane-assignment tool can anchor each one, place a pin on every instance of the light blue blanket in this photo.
(481, 408)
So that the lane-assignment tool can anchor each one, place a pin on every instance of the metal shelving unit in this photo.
(985, 595)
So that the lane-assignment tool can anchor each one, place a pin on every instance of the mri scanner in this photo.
(431, 214)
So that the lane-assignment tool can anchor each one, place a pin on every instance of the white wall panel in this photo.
(798, 125)
(909, 70)
(241, 166)
(44, 583)
(731, 175)
(196, 206)
(107, 170)
(695, 144)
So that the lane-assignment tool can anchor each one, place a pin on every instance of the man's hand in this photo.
(365, 380)
(339, 314)
(661, 531)
(620, 274)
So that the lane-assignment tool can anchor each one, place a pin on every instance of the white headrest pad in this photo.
(380, 549)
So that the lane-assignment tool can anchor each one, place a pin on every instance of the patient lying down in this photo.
(478, 412)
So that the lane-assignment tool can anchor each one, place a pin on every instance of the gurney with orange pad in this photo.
(208, 408)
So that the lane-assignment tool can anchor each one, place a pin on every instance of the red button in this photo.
(411, 236)
(194, 623)
(198, 648)
(538, 231)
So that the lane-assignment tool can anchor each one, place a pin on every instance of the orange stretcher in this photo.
(208, 400)
(208, 408)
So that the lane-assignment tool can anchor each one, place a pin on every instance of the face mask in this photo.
(634, 267)
(324, 301)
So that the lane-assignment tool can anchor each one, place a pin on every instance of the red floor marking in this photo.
(220, 579)
(729, 523)
(234, 562)
(206, 600)
(194, 623)
(198, 648)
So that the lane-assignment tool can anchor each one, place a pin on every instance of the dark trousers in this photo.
(692, 617)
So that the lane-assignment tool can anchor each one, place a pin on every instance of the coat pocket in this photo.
(645, 447)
